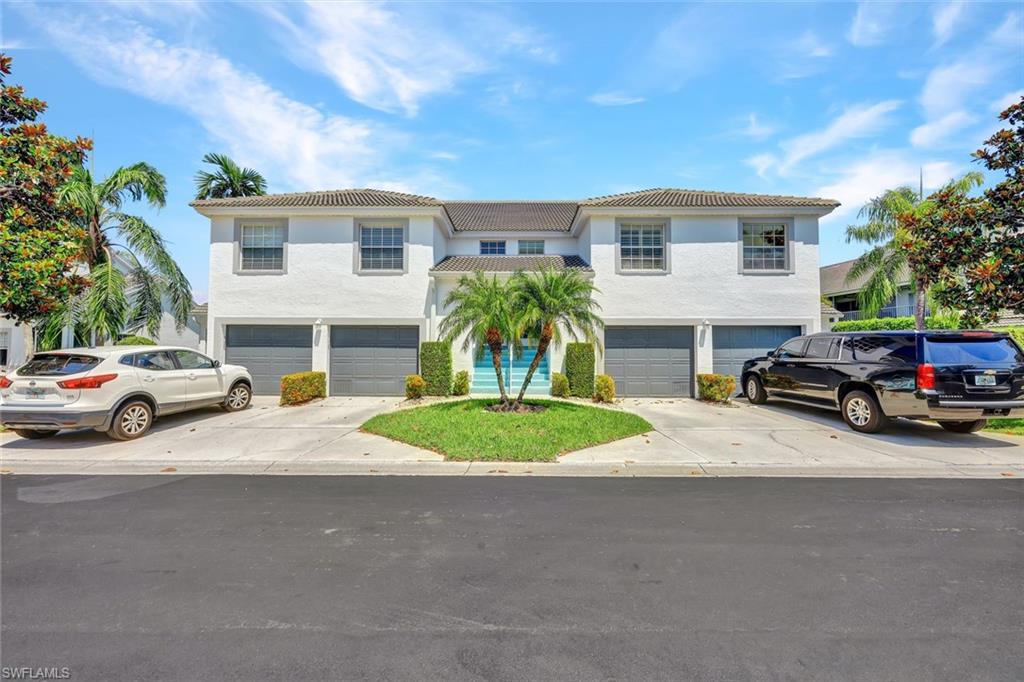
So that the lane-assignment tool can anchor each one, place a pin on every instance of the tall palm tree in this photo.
(229, 180)
(886, 264)
(479, 307)
(130, 269)
(547, 301)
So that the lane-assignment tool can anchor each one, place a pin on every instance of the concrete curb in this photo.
(605, 469)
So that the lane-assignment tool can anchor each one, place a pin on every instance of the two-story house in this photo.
(350, 281)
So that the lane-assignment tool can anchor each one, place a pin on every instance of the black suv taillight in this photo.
(925, 376)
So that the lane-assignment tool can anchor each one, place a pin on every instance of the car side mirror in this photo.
(216, 364)
(772, 354)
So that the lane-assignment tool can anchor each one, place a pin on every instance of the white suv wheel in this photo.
(238, 398)
(135, 420)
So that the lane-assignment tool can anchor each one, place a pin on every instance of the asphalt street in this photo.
(437, 578)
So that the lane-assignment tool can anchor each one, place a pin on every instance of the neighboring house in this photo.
(349, 282)
(843, 294)
(829, 316)
(12, 344)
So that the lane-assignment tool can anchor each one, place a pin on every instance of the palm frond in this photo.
(146, 292)
(106, 304)
(146, 242)
(138, 181)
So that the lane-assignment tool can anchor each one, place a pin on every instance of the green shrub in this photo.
(716, 388)
(604, 389)
(135, 341)
(579, 369)
(414, 386)
(559, 385)
(892, 324)
(302, 387)
(1016, 332)
(461, 384)
(436, 367)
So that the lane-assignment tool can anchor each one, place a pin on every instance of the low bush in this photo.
(135, 341)
(461, 384)
(604, 389)
(302, 387)
(414, 386)
(892, 324)
(716, 388)
(1016, 332)
(436, 367)
(579, 369)
(559, 385)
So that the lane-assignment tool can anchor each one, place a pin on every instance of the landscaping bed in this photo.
(1014, 427)
(466, 431)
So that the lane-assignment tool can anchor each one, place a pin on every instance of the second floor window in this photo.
(531, 247)
(492, 248)
(381, 247)
(764, 246)
(642, 246)
(262, 247)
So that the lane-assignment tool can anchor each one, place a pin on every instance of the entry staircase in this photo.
(485, 382)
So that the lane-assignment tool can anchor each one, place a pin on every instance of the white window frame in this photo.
(249, 223)
(357, 245)
(498, 243)
(664, 224)
(787, 247)
(531, 252)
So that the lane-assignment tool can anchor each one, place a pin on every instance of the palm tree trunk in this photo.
(542, 348)
(920, 298)
(494, 342)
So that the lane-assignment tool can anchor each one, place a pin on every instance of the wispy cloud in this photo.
(762, 163)
(935, 133)
(614, 99)
(871, 23)
(945, 19)
(756, 128)
(810, 45)
(393, 60)
(1006, 100)
(444, 156)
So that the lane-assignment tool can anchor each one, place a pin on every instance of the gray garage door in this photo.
(732, 346)
(372, 360)
(269, 352)
(650, 361)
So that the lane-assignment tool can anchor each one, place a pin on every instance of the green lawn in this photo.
(465, 431)
(1012, 426)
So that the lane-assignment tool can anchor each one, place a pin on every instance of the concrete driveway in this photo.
(689, 439)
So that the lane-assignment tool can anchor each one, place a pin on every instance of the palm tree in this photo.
(130, 269)
(547, 301)
(479, 307)
(886, 263)
(229, 180)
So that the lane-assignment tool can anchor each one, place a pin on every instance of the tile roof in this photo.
(511, 216)
(826, 309)
(691, 198)
(833, 278)
(509, 263)
(361, 198)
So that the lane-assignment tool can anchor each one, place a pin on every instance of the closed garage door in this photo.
(269, 352)
(650, 361)
(735, 345)
(372, 360)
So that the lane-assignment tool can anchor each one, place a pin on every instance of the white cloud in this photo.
(1009, 32)
(614, 99)
(393, 60)
(935, 133)
(756, 128)
(811, 46)
(762, 163)
(856, 122)
(291, 142)
(944, 20)
(871, 23)
(444, 156)
(947, 86)
(1006, 100)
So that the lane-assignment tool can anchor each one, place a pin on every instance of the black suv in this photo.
(958, 378)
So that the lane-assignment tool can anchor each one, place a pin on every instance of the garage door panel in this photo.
(734, 345)
(269, 352)
(372, 360)
(650, 361)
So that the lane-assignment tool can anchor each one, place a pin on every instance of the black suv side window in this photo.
(794, 348)
(821, 348)
(889, 350)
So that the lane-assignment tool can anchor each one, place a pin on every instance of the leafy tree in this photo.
(130, 270)
(548, 301)
(978, 242)
(479, 307)
(229, 180)
(40, 239)
(893, 228)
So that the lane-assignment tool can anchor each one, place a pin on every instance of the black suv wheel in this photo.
(964, 427)
(861, 412)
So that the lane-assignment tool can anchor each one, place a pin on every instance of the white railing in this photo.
(887, 311)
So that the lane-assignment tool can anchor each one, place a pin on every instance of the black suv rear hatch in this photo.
(975, 366)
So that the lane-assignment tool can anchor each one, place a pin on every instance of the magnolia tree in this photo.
(41, 242)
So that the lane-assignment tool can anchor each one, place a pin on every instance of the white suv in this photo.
(117, 389)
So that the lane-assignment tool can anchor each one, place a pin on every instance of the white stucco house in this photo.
(350, 281)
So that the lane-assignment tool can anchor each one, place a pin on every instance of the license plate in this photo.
(984, 380)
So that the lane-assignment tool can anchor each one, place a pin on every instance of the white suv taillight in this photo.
(5, 382)
(87, 382)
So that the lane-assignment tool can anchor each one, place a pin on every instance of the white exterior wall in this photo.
(15, 342)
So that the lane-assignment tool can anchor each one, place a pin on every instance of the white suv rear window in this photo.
(57, 364)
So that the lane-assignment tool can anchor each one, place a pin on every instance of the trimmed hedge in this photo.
(874, 324)
(604, 389)
(1016, 332)
(436, 367)
(579, 369)
(716, 388)
(135, 341)
(302, 387)
(461, 384)
(414, 386)
(559, 385)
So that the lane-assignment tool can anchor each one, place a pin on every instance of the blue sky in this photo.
(525, 100)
